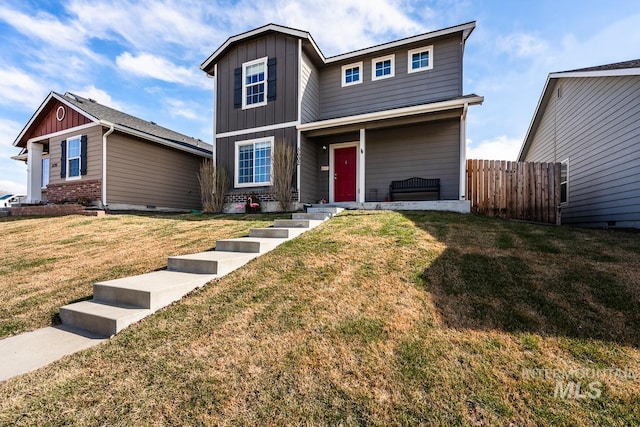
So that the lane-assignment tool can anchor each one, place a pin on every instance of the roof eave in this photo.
(466, 30)
(391, 114)
(206, 65)
(537, 115)
(597, 73)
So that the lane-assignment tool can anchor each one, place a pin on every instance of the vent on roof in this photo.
(153, 123)
(92, 100)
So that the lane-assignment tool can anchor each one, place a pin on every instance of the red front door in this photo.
(345, 174)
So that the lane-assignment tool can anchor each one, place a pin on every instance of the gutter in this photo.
(112, 127)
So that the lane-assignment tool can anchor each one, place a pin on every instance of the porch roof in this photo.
(404, 115)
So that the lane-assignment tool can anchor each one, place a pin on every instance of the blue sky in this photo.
(143, 57)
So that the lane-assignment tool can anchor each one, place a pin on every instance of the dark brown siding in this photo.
(444, 81)
(143, 173)
(284, 108)
(225, 148)
(48, 123)
(429, 150)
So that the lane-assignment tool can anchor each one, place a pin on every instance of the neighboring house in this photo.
(79, 150)
(589, 120)
(358, 120)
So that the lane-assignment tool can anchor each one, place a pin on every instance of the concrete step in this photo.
(296, 223)
(102, 319)
(320, 216)
(150, 291)
(272, 232)
(324, 209)
(210, 262)
(256, 245)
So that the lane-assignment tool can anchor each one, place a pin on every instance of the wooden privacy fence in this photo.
(518, 190)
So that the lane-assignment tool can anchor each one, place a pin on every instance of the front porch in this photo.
(459, 206)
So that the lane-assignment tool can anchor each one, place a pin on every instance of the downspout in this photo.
(463, 152)
(104, 162)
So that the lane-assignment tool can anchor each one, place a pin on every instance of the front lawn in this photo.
(376, 318)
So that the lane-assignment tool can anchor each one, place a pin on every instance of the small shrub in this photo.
(214, 183)
(284, 164)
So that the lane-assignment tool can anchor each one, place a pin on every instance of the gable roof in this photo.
(107, 116)
(310, 44)
(625, 68)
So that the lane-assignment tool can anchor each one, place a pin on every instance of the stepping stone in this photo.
(257, 245)
(103, 319)
(320, 216)
(283, 233)
(295, 223)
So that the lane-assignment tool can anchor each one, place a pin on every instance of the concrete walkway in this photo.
(29, 351)
(116, 304)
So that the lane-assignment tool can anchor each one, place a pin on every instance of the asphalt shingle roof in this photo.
(102, 112)
(634, 63)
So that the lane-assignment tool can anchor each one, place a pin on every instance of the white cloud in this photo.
(20, 89)
(157, 67)
(8, 132)
(99, 95)
(522, 45)
(499, 148)
(14, 187)
(189, 111)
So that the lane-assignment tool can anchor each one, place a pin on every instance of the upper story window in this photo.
(351, 74)
(383, 67)
(253, 162)
(420, 59)
(74, 158)
(254, 83)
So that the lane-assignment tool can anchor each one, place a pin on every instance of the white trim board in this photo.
(258, 129)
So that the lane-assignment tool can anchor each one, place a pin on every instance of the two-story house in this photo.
(358, 120)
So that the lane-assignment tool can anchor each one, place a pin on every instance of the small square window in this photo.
(351, 74)
(420, 59)
(383, 67)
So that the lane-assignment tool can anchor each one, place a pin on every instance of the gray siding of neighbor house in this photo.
(310, 86)
(594, 123)
(142, 173)
(225, 150)
(94, 155)
(430, 150)
(284, 108)
(444, 81)
(310, 155)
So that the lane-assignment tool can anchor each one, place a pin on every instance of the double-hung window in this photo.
(74, 158)
(383, 67)
(254, 83)
(351, 74)
(253, 162)
(420, 59)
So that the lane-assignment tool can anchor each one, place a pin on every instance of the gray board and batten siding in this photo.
(442, 82)
(284, 108)
(593, 122)
(141, 173)
(310, 87)
(225, 148)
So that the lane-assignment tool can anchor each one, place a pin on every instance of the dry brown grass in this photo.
(359, 322)
(49, 262)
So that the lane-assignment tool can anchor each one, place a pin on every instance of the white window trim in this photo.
(236, 174)
(349, 66)
(68, 169)
(566, 202)
(374, 61)
(244, 79)
(420, 50)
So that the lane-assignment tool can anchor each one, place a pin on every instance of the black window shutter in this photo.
(63, 159)
(237, 88)
(271, 79)
(83, 155)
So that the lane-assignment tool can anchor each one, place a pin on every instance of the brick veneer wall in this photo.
(90, 190)
(264, 196)
(47, 210)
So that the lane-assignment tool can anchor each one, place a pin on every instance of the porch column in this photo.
(361, 162)
(34, 172)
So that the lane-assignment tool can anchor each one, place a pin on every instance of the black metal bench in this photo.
(414, 189)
